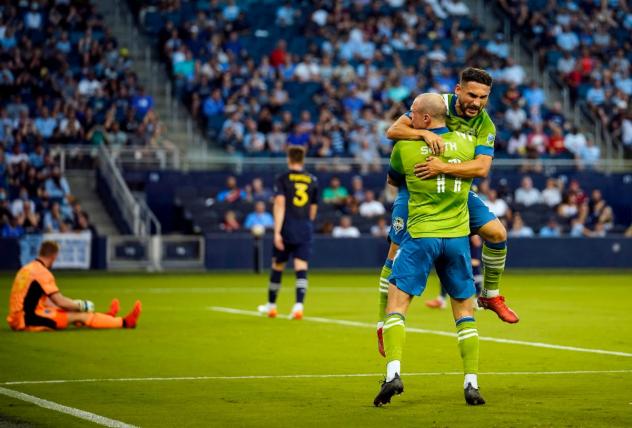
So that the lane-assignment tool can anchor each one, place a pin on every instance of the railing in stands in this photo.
(239, 164)
(135, 212)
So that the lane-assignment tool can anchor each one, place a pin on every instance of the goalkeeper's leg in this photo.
(101, 321)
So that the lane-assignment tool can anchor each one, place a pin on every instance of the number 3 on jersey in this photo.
(300, 194)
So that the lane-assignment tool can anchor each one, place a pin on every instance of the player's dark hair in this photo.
(471, 74)
(296, 154)
(48, 249)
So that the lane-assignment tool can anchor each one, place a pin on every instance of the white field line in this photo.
(236, 290)
(51, 405)
(301, 376)
(435, 332)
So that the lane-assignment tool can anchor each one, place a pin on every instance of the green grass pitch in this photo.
(179, 336)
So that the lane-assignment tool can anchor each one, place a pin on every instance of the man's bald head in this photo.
(430, 104)
(428, 111)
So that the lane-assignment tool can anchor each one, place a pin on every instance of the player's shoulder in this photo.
(486, 121)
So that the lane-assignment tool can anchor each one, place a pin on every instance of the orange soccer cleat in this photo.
(268, 310)
(497, 304)
(132, 318)
(115, 306)
(437, 303)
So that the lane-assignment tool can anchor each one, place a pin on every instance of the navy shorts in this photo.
(300, 251)
(450, 257)
(480, 215)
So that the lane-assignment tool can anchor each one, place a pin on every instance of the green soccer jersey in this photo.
(480, 126)
(437, 207)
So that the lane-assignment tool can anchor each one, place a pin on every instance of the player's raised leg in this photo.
(487, 226)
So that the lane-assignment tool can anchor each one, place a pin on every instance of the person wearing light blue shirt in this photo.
(551, 230)
(259, 217)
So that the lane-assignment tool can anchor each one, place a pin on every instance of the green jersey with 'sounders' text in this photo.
(437, 207)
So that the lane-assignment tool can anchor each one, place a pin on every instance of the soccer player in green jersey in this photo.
(437, 235)
(465, 113)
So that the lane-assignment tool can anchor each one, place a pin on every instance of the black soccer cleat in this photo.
(473, 396)
(388, 389)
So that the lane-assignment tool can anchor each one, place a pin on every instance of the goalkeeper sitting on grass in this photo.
(36, 304)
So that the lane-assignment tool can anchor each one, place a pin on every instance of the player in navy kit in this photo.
(295, 207)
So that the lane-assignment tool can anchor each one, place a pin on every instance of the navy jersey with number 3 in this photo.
(300, 189)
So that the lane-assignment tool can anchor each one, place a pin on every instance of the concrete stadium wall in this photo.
(236, 252)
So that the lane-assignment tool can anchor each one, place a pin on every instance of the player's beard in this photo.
(470, 110)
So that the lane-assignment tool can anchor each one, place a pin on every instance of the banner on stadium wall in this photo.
(74, 249)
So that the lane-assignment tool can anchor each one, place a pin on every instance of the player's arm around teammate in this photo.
(466, 109)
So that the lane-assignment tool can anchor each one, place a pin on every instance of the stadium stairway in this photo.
(83, 187)
(180, 128)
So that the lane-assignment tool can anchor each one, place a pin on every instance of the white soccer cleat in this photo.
(268, 310)
(297, 312)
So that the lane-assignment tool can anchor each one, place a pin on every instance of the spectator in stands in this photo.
(519, 229)
(57, 186)
(380, 229)
(277, 140)
(232, 133)
(551, 229)
(588, 156)
(258, 192)
(357, 188)
(13, 228)
(346, 229)
(371, 207)
(232, 193)
(17, 206)
(568, 208)
(259, 217)
(335, 194)
(31, 223)
(515, 117)
(54, 221)
(368, 158)
(230, 223)
(552, 193)
(5, 208)
(517, 144)
(279, 54)
(574, 141)
(214, 104)
(496, 205)
(254, 141)
(577, 228)
(600, 211)
(526, 194)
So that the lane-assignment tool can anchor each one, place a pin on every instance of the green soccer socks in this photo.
(494, 256)
(394, 340)
(467, 336)
(383, 287)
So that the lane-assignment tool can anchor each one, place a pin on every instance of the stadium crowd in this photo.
(561, 208)
(333, 75)
(64, 81)
(587, 44)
